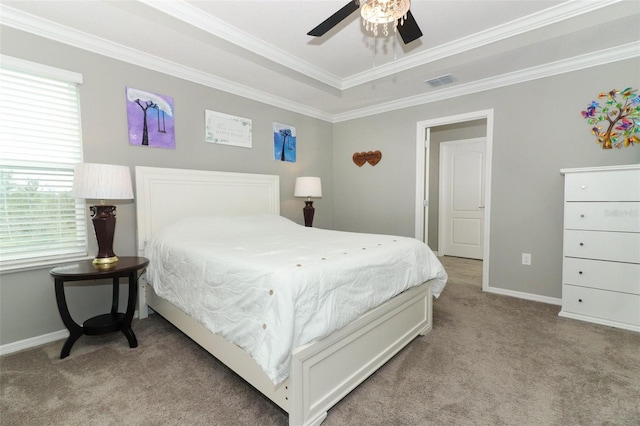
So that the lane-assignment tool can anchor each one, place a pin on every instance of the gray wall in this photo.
(27, 301)
(538, 129)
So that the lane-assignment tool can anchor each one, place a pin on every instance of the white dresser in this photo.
(601, 266)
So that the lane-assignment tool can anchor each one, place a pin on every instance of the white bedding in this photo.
(270, 285)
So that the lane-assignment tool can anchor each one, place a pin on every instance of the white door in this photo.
(461, 209)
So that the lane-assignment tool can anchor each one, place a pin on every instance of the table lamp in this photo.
(103, 182)
(308, 187)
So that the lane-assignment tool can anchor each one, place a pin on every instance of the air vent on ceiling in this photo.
(440, 81)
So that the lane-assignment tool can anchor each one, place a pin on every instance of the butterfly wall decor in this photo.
(615, 120)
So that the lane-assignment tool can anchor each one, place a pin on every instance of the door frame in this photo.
(423, 147)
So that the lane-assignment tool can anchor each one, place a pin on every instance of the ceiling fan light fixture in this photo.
(384, 12)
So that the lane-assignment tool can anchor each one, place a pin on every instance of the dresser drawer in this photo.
(600, 245)
(610, 185)
(614, 276)
(602, 216)
(602, 304)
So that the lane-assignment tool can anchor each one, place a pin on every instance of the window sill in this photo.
(29, 265)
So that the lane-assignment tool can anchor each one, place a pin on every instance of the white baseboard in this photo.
(522, 295)
(32, 342)
(63, 334)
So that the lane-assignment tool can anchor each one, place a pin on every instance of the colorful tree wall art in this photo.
(615, 120)
(150, 118)
(284, 142)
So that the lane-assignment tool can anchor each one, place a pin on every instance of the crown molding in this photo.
(48, 29)
(576, 63)
(44, 28)
(510, 29)
(219, 28)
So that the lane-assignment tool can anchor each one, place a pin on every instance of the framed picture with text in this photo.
(227, 129)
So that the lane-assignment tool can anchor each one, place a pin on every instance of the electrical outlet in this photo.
(526, 259)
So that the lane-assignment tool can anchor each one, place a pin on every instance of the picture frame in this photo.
(150, 119)
(226, 129)
(284, 142)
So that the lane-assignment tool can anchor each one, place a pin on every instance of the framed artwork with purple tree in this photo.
(150, 118)
(284, 142)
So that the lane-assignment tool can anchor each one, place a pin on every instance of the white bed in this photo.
(319, 373)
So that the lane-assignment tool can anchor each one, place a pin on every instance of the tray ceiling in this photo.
(260, 50)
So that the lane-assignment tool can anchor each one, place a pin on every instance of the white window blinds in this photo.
(40, 142)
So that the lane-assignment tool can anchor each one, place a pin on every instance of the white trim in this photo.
(81, 40)
(423, 145)
(29, 67)
(26, 22)
(32, 342)
(40, 263)
(43, 339)
(422, 180)
(525, 296)
(576, 63)
(535, 21)
(219, 28)
(487, 200)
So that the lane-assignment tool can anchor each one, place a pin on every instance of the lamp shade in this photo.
(308, 187)
(102, 182)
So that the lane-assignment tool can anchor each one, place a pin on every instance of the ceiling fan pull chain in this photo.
(395, 53)
(375, 45)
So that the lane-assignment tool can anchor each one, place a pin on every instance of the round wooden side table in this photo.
(105, 323)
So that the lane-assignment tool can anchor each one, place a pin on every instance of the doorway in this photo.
(430, 136)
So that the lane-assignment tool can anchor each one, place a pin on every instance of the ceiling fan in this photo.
(375, 12)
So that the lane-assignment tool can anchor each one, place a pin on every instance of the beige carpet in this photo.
(490, 360)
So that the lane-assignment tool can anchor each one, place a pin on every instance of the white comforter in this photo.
(270, 285)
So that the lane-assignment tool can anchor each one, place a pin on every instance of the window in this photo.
(40, 142)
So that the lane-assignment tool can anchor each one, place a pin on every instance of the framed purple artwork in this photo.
(150, 119)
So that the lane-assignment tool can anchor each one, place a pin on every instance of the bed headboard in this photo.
(164, 196)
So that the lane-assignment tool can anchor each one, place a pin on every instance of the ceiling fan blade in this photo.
(409, 31)
(334, 19)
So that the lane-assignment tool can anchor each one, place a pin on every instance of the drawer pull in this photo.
(580, 300)
(581, 215)
(581, 244)
(580, 272)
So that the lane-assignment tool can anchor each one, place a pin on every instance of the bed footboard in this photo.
(226, 352)
(322, 372)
